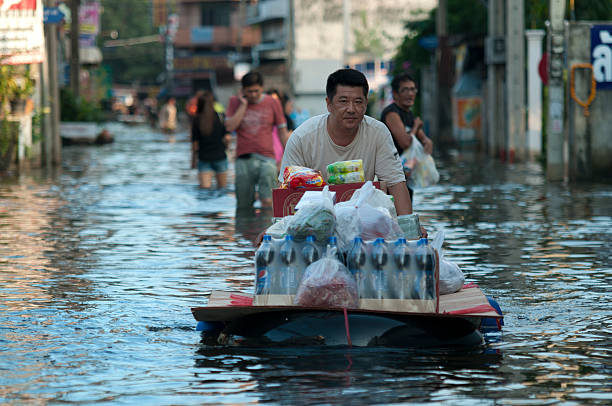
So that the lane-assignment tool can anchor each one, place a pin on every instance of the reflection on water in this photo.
(101, 261)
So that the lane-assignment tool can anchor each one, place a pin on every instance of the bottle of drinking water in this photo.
(379, 260)
(356, 261)
(263, 260)
(310, 251)
(333, 242)
(430, 268)
(286, 283)
(399, 281)
(419, 287)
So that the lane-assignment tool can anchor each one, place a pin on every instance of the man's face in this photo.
(252, 93)
(347, 107)
(406, 94)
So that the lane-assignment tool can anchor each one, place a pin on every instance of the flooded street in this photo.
(101, 261)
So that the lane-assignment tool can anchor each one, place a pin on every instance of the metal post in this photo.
(445, 80)
(75, 63)
(496, 60)
(554, 147)
(534, 93)
(515, 83)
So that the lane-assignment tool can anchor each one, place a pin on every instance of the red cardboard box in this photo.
(284, 200)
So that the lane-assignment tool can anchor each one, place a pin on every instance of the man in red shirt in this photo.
(253, 115)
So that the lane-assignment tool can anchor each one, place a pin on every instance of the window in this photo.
(215, 14)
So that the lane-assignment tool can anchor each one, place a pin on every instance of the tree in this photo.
(137, 63)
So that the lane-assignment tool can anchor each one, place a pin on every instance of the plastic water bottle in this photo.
(379, 260)
(333, 242)
(419, 287)
(263, 258)
(399, 281)
(286, 283)
(430, 269)
(356, 261)
(310, 251)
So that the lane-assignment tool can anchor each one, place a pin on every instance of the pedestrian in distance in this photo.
(253, 116)
(209, 139)
(401, 122)
(286, 106)
(167, 118)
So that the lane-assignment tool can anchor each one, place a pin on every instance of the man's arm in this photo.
(232, 123)
(401, 198)
(398, 130)
(283, 135)
(425, 141)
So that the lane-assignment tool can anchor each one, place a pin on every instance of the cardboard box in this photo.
(284, 200)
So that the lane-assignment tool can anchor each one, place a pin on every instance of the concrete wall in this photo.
(589, 137)
(320, 36)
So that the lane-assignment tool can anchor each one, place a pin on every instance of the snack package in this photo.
(299, 176)
(341, 178)
(327, 283)
(356, 165)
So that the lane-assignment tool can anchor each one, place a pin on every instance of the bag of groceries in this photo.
(366, 216)
(422, 167)
(327, 283)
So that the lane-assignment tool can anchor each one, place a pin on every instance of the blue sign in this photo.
(429, 42)
(202, 35)
(601, 55)
(53, 15)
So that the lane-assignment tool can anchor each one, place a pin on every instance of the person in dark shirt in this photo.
(400, 120)
(209, 139)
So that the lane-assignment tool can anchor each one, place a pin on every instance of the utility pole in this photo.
(75, 63)
(515, 83)
(445, 80)
(495, 55)
(555, 148)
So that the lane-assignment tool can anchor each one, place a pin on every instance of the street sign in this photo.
(601, 55)
(53, 15)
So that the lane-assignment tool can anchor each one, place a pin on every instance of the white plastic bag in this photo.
(424, 172)
(357, 217)
(316, 218)
(451, 277)
(327, 283)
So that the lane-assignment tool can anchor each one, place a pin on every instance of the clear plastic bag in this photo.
(314, 218)
(424, 172)
(451, 276)
(363, 216)
(327, 283)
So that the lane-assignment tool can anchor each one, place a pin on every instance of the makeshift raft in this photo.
(231, 317)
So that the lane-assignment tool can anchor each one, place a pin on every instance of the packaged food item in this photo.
(341, 178)
(299, 176)
(356, 165)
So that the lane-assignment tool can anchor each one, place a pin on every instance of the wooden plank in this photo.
(226, 306)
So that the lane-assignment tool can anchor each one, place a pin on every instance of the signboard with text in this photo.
(21, 32)
(601, 55)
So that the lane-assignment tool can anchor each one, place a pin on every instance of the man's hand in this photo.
(417, 125)
(242, 99)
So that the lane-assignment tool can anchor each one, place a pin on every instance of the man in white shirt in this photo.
(346, 133)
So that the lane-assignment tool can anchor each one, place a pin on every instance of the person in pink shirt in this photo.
(253, 116)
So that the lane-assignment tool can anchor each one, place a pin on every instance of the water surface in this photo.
(101, 261)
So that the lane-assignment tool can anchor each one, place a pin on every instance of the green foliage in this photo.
(78, 109)
(15, 82)
(137, 63)
(368, 39)
(537, 11)
(467, 18)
